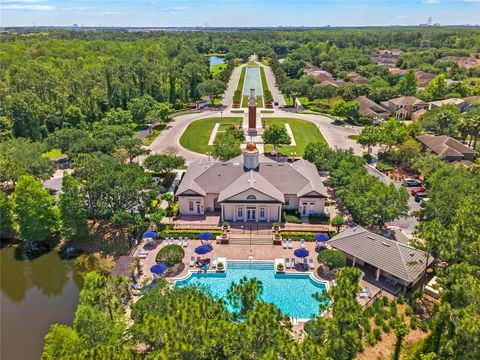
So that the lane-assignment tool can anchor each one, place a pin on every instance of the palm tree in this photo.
(465, 127)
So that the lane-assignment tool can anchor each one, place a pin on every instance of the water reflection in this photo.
(34, 295)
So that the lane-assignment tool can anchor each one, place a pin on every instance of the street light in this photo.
(221, 114)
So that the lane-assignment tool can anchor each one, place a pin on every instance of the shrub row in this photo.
(237, 96)
(191, 234)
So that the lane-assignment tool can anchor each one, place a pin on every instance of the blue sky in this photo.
(237, 12)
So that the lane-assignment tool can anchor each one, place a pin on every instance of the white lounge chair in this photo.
(199, 259)
(302, 243)
(214, 263)
(290, 244)
(287, 263)
(293, 263)
(185, 242)
(284, 244)
(310, 264)
(192, 261)
(142, 254)
(305, 264)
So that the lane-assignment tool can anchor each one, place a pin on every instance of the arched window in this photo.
(251, 197)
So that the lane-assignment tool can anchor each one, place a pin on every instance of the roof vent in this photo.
(370, 237)
(385, 243)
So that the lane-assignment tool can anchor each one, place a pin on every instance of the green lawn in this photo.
(196, 135)
(304, 132)
(241, 81)
(264, 80)
(215, 70)
(54, 153)
(259, 102)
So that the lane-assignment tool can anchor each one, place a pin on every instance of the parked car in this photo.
(417, 190)
(411, 182)
(419, 196)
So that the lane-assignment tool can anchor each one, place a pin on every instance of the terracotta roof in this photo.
(394, 257)
(398, 71)
(445, 145)
(369, 107)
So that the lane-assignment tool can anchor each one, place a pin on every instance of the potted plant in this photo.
(276, 227)
(220, 266)
(226, 226)
(280, 267)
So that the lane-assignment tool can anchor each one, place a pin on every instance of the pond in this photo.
(216, 60)
(34, 295)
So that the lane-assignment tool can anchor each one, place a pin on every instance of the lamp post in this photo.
(221, 114)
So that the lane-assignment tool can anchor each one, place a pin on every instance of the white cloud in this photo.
(27, 7)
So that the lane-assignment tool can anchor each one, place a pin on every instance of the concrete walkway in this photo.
(227, 99)
(277, 95)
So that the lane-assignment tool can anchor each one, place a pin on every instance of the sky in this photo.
(231, 13)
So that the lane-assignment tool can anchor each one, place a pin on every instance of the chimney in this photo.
(250, 157)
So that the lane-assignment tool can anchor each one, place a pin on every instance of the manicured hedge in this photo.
(170, 255)
(191, 234)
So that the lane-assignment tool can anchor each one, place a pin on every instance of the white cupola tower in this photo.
(250, 157)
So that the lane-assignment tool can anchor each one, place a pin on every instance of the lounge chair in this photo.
(290, 244)
(214, 263)
(185, 242)
(287, 263)
(305, 264)
(310, 264)
(302, 243)
(293, 263)
(192, 261)
(143, 254)
(198, 259)
(284, 244)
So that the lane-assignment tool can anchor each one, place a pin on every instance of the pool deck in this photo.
(254, 252)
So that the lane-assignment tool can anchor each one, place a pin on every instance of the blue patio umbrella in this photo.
(158, 269)
(205, 236)
(203, 249)
(149, 234)
(301, 253)
(321, 237)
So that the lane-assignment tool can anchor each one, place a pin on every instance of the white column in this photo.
(245, 213)
(268, 212)
(256, 213)
(234, 212)
(377, 274)
(221, 212)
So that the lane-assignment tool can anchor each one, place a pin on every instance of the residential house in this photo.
(465, 62)
(397, 71)
(448, 148)
(251, 187)
(424, 78)
(321, 75)
(356, 78)
(369, 108)
(460, 103)
(417, 115)
(470, 101)
(403, 107)
(394, 260)
(386, 57)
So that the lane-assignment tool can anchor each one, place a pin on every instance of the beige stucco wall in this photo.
(318, 206)
(183, 204)
(271, 211)
(242, 196)
(293, 202)
(209, 201)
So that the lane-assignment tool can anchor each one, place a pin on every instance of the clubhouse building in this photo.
(251, 187)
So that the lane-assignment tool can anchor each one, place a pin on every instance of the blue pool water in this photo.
(292, 293)
(253, 81)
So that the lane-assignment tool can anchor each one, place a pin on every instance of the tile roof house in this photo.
(460, 103)
(320, 74)
(424, 78)
(251, 187)
(386, 57)
(369, 108)
(403, 107)
(356, 78)
(391, 259)
(397, 71)
(448, 148)
(466, 62)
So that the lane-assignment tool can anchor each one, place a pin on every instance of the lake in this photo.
(34, 295)
(216, 60)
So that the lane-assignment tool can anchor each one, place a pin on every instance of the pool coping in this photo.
(309, 273)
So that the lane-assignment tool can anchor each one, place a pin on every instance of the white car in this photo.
(411, 182)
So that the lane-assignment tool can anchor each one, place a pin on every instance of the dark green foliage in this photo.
(276, 135)
(170, 255)
(73, 213)
(332, 259)
(164, 163)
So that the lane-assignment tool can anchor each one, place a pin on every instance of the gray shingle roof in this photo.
(396, 258)
(444, 145)
(251, 180)
(300, 177)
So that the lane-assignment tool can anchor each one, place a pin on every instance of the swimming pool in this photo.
(253, 81)
(292, 293)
